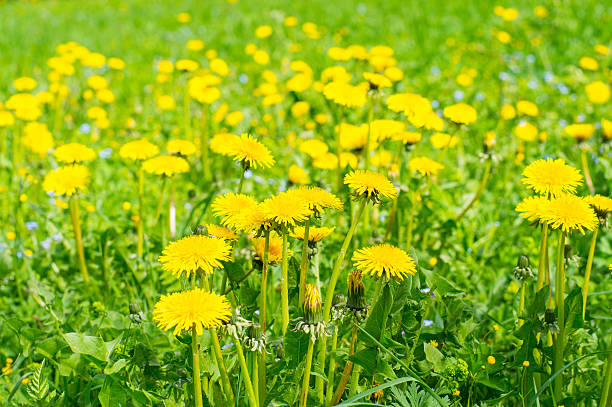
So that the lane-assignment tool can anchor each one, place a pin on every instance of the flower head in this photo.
(460, 113)
(551, 177)
(275, 248)
(251, 152)
(193, 253)
(425, 166)
(570, 212)
(533, 208)
(286, 209)
(74, 153)
(141, 149)
(370, 185)
(602, 206)
(580, 131)
(385, 259)
(230, 206)
(315, 234)
(167, 165)
(181, 147)
(318, 199)
(376, 80)
(186, 310)
(220, 232)
(345, 94)
(67, 180)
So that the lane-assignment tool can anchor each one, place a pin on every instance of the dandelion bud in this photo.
(356, 300)
(523, 271)
(550, 321)
(312, 305)
(136, 314)
(200, 230)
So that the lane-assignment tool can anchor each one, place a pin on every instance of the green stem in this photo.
(522, 301)
(197, 384)
(410, 226)
(585, 169)
(339, 149)
(140, 226)
(606, 399)
(483, 183)
(560, 300)
(543, 250)
(160, 200)
(306, 378)
(245, 374)
(304, 263)
(76, 225)
(262, 319)
(204, 143)
(284, 286)
(241, 184)
(355, 374)
(187, 115)
(587, 273)
(332, 367)
(329, 295)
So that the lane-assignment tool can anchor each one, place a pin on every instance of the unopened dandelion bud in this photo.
(523, 270)
(312, 305)
(356, 300)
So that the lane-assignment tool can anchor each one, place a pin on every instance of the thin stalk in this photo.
(160, 200)
(522, 302)
(543, 250)
(261, 365)
(204, 143)
(304, 262)
(481, 187)
(339, 150)
(76, 225)
(355, 375)
(366, 230)
(560, 300)
(329, 295)
(345, 374)
(606, 397)
(585, 169)
(140, 226)
(241, 184)
(306, 378)
(284, 286)
(587, 273)
(331, 372)
(245, 375)
(410, 226)
(195, 354)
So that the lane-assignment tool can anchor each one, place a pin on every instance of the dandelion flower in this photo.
(141, 149)
(317, 198)
(196, 308)
(74, 153)
(602, 206)
(314, 148)
(220, 232)
(370, 184)
(385, 259)
(345, 94)
(407, 137)
(376, 80)
(533, 208)
(182, 147)
(460, 113)
(250, 151)
(580, 131)
(286, 209)
(425, 166)
(230, 205)
(570, 212)
(67, 180)
(193, 253)
(443, 140)
(315, 234)
(275, 249)
(551, 177)
(167, 165)
(222, 143)
(252, 219)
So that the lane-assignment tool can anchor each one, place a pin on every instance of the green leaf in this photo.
(435, 357)
(112, 394)
(115, 367)
(377, 320)
(90, 345)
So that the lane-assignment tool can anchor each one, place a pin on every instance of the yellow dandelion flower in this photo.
(598, 92)
(317, 198)
(491, 360)
(425, 166)
(570, 212)
(286, 209)
(580, 131)
(230, 205)
(601, 204)
(275, 249)
(312, 298)
(186, 310)
(222, 143)
(370, 184)
(533, 208)
(526, 107)
(252, 219)
(141, 149)
(250, 151)
(460, 113)
(297, 175)
(376, 80)
(443, 140)
(193, 253)
(551, 177)
(345, 94)
(182, 147)
(407, 137)
(314, 148)
(220, 232)
(315, 234)
(385, 259)
(167, 165)
(74, 153)
(67, 180)
(383, 129)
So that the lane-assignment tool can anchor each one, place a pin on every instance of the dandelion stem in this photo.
(195, 354)
(606, 387)
(560, 300)
(140, 225)
(204, 143)
(332, 367)
(284, 286)
(585, 169)
(160, 201)
(481, 187)
(262, 318)
(329, 295)
(522, 301)
(587, 273)
(76, 225)
(241, 184)
(339, 149)
(245, 374)
(543, 258)
(187, 115)
(304, 263)
(306, 378)
(345, 374)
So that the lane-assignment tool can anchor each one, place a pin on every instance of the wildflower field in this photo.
(277, 203)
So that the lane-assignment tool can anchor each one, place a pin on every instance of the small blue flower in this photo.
(188, 206)
(427, 323)
(243, 78)
(229, 345)
(106, 153)
(458, 95)
(57, 237)
(248, 174)
(19, 255)
(46, 244)
(31, 225)
(85, 128)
